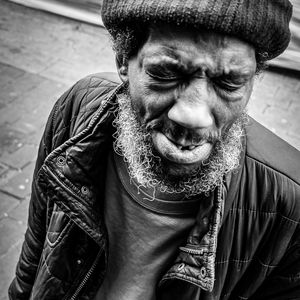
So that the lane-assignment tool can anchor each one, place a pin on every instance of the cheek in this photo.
(137, 100)
(136, 89)
(249, 90)
(148, 104)
(227, 112)
(139, 96)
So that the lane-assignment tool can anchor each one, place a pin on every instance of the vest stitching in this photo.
(273, 170)
(246, 261)
(265, 212)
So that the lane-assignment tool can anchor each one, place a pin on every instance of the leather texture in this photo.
(64, 254)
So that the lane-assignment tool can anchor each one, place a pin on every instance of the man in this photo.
(162, 187)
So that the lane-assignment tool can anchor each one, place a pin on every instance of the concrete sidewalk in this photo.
(41, 56)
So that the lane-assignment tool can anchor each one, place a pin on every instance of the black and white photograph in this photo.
(149, 149)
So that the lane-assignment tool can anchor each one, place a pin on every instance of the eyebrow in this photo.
(168, 56)
(166, 62)
(167, 52)
(238, 72)
(162, 60)
(167, 67)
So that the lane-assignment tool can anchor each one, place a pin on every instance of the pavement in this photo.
(41, 56)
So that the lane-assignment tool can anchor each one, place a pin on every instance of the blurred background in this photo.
(45, 47)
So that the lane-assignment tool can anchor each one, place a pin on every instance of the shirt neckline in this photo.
(143, 197)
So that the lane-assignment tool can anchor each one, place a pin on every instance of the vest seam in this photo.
(272, 169)
(236, 261)
(263, 212)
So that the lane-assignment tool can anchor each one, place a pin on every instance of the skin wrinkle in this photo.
(134, 143)
(185, 89)
(127, 42)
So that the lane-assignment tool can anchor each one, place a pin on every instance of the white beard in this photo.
(134, 142)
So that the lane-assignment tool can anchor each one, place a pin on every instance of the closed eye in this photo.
(229, 86)
(164, 71)
(161, 76)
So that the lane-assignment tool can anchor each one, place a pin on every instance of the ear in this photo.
(122, 68)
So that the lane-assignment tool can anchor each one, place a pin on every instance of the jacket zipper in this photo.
(87, 276)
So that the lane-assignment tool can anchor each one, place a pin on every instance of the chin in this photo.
(179, 171)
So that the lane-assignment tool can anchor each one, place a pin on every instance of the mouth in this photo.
(179, 153)
(188, 147)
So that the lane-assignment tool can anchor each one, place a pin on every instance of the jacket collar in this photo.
(75, 171)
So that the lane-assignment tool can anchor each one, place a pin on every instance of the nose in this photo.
(191, 114)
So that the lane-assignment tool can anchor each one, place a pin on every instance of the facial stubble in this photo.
(134, 142)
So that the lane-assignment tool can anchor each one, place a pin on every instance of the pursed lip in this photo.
(184, 144)
(181, 153)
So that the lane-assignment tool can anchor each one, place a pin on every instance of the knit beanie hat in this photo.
(262, 23)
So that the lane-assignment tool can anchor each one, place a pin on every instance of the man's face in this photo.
(189, 87)
(180, 125)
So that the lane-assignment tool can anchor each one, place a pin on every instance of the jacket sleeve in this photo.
(58, 129)
(21, 286)
(284, 282)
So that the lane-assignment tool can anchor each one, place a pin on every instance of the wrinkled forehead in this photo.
(192, 45)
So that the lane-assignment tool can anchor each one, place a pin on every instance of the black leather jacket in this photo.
(64, 254)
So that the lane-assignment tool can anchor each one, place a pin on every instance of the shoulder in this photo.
(74, 110)
(271, 151)
(92, 88)
(273, 171)
(85, 97)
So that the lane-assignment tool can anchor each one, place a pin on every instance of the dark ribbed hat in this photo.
(262, 23)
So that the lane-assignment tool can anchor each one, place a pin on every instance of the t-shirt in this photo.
(144, 235)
